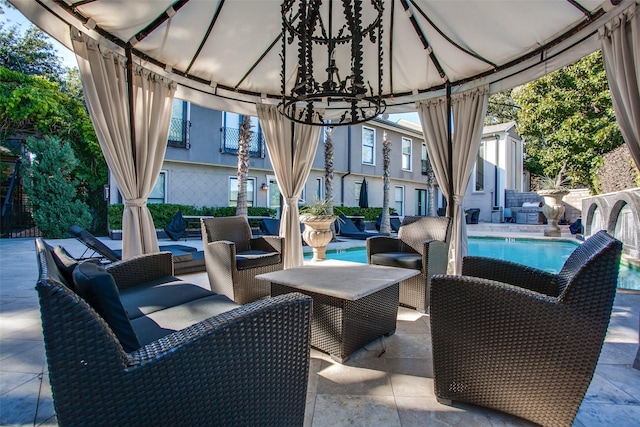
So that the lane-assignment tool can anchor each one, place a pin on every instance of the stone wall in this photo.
(618, 172)
(617, 213)
(514, 199)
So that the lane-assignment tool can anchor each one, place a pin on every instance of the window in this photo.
(368, 146)
(233, 191)
(424, 160)
(273, 198)
(231, 134)
(479, 175)
(179, 126)
(399, 199)
(406, 154)
(319, 189)
(357, 188)
(159, 193)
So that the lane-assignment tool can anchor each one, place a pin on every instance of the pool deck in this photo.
(374, 388)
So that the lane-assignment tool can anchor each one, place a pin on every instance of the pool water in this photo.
(548, 255)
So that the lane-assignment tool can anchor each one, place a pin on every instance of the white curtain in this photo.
(291, 151)
(135, 165)
(468, 109)
(433, 117)
(621, 52)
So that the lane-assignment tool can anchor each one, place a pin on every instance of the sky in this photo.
(13, 16)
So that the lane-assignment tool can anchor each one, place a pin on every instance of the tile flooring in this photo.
(387, 383)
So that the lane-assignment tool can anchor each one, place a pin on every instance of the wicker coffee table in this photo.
(353, 304)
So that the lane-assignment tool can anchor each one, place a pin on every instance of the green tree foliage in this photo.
(32, 106)
(567, 118)
(30, 54)
(35, 106)
(49, 105)
(501, 109)
(50, 185)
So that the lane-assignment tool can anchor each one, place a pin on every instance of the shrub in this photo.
(162, 213)
(51, 188)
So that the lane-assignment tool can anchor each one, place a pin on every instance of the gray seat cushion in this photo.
(158, 295)
(253, 259)
(398, 259)
(164, 322)
(181, 256)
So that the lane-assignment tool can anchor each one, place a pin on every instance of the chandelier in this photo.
(339, 61)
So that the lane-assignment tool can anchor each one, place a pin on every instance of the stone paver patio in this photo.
(388, 383)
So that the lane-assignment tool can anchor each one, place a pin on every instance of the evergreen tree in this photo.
(51, 188)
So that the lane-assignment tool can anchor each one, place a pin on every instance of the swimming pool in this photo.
(548, 255)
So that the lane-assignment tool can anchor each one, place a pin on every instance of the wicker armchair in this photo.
(520, 340)
(233, 258)
(422, 244)
(247, 366)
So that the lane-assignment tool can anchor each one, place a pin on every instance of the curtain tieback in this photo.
(292, 201)
(458, 199)
(135, 203)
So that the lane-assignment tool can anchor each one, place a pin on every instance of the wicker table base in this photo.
(352, 304)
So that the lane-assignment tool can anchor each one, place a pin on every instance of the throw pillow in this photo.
(98, 288)
(65, 263)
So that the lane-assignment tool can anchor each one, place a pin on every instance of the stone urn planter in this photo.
(317, 233)
(553, 210)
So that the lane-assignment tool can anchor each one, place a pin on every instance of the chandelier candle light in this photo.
(355, 47)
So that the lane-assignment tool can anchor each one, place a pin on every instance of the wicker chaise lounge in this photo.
(246, 366)
(521, 340)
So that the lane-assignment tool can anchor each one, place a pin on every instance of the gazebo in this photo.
(255, 57)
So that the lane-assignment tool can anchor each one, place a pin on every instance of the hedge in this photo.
(162, 213)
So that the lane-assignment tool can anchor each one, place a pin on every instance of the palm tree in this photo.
(243, 165)
(385, 224)
(328, 173)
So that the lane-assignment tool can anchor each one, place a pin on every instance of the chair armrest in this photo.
(250, 363)
(379, 244)
(220, 254)
(141, 269)
(267, 243)
(512, 273)
(435, 257)
(468, 310)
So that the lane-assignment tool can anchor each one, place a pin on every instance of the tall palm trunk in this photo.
(243, 165)
(328, 173)
(385, 224)
(432, 185)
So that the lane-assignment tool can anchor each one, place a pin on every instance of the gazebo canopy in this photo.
(226, 54)
(440, 58)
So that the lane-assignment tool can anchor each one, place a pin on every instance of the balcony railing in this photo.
(425, 167)
(230, 138)
(179, 133)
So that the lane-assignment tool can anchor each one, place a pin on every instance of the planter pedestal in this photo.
(317, 233)
(553, 210)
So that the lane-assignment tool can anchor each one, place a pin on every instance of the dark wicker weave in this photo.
(340, 327)
(428, 236)
(223, 238)
(245, 367)
(521, 340)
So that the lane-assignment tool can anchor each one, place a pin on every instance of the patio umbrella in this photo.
(363, 199)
